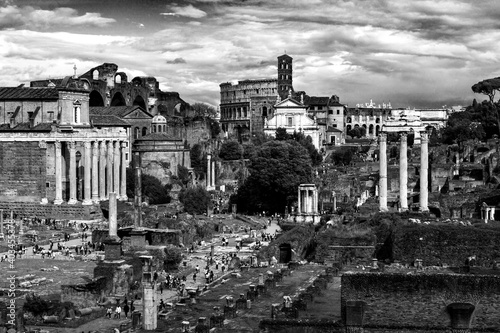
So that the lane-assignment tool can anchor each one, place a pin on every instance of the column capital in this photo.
(404, 136)
(383, 137)
(424, 137)
(123, 144)
(57, 144)
(86, 144)
(42, 144)
(117, 148)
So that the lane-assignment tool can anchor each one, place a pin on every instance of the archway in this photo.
(95, 99)
(118, 100)
(139, 101)
(285, 253)
(377, 130)
(370, 129)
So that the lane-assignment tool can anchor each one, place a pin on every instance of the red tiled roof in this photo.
(21, 93)
(108, 120)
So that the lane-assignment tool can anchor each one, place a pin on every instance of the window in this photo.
(144, 131)
(126, 156)
(95, 75)
(76, 110)
(51, 115)
(290, 121)
(330, 112)
(338, 111)
(136, 133)
(47, 184)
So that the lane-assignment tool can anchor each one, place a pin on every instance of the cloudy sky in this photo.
(410, 52)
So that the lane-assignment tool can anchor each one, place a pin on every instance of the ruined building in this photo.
(56, 159)
(246, 106)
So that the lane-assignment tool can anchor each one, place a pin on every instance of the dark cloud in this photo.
(177, 61)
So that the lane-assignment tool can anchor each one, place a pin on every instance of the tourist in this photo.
(161, 288)
(223, 268)
(118, 312)
(126, 309)
(109, 311)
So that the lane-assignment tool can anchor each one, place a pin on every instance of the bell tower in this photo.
(285, 80)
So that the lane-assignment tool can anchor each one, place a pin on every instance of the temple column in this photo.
(102, 171)
(95, 172)
(58, 198)
(123, 179)
(209, 173)
(72, 173)
(116, 165)
(383, 173)
(403, 172)
(86, 180)
(212, 178)
(299, 208)
(43, 145)
(1, 221)
(424, 165)
(113, 222)
(109, 169)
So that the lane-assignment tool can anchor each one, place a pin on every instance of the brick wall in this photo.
(418, 302)
(22, 176)
(64, 211)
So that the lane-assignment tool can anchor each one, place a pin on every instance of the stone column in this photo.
(88, 156)
(95, 172)
(109, 169)
(209, 173)
(334, 201)
(123, 179)
(212, 177)
(102, 171)
(403, 172)
(1, 221)
(424, 165)
(116, 172)
(299, 208)
(113, 222)
(58, 199)
(315, 201)
(383, 173)
(72, 173)
(43, 145)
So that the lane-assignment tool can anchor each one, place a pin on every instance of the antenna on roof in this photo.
(74, 68)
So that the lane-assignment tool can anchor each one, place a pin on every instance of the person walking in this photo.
(126, 309)
(118, 312)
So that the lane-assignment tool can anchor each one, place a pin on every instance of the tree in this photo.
(276, 170)
(231, 150)
(183, 174)
(173, 257)
(152, 188)
(357, 132)
(307, 143)
(197, 160)
(203, 110)
(489, 87)
(195, 199)
(249, 150)
(343, 156)
(281, 134)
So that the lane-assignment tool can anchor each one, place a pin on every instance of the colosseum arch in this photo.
(139, 101)
(118, 100)
(95, 99)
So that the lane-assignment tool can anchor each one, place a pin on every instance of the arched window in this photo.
(144, 131)
(164, 128)
(76, 114)
(136, 133)
(118, 79)
(349, 120)
(95, 75)
(154, 128)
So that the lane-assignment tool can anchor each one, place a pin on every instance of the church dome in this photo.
(159, 119)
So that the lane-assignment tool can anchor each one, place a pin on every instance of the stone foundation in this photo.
(63, 211)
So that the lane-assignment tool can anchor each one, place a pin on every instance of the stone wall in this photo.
(63, 212)
(83, 295)
(419, 302)
(22, 175)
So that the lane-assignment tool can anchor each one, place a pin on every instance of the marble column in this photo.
(424, 165)
(383, 173)
(109, 169)
(299, 208)
(403, 172)
(209, 172)
(1, 221)
(116, 165)
(334, 202)
(102, 171)
(95, 172)
(72, 173)
(88, 157)
(113, 222)
(43, 145)
(212, 177)
(58, 198)
(123, 179)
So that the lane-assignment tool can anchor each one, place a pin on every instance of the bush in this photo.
(195, 200)
(151, 188)
(173, 257)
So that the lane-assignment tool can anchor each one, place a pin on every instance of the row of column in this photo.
(403, 172)
(210, 173)
(104, 171)
(307, 201)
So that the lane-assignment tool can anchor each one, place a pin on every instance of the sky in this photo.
(408, 52)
